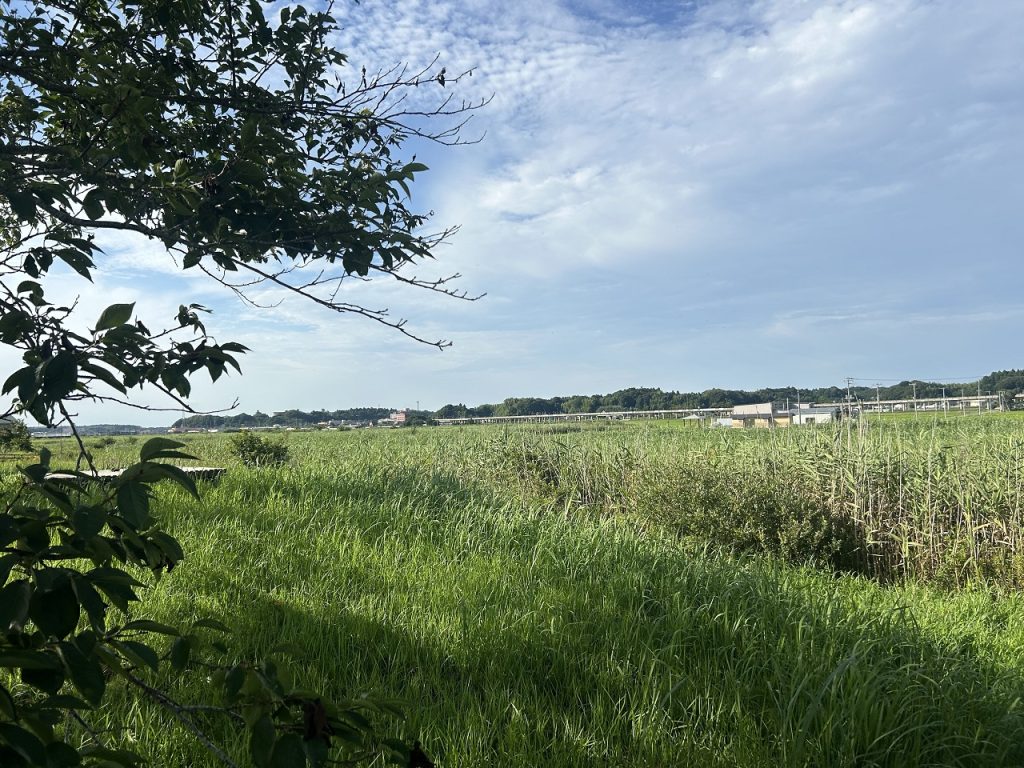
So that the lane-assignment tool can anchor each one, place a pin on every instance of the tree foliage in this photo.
(240, 144)
(15, 437)
(649, 399)
(288, 418)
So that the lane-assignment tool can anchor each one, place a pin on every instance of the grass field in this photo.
(627, 594)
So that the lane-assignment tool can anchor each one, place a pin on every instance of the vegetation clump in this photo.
(15, 437)
(256, 451)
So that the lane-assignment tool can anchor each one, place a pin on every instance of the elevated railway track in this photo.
(682, 413)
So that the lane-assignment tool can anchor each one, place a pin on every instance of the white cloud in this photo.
(663, 182)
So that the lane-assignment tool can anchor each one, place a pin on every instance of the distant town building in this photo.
(760, 415)
(763, 415)
(805, 415)
(395, 419)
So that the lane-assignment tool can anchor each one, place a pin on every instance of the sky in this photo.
(683, 195)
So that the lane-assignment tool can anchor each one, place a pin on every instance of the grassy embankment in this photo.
(547, 596)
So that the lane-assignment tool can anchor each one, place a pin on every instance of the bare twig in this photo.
(178, 711)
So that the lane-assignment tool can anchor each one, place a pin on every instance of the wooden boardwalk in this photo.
(109, 475)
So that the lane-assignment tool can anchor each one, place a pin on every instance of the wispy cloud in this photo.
(685, 195)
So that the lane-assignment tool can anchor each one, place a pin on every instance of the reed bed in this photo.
(635, 595)
(928, 499)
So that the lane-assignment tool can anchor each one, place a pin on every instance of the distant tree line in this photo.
(1008, 383)
(289, 418)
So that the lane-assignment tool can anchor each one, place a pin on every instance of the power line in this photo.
(928, 379)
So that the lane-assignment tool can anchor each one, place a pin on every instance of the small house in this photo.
(760, 416)
(806, 415)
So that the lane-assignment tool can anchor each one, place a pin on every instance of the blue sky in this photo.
(682, 195)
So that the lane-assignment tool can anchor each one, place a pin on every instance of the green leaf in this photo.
(91, 601)
(169, 545)
(14, 602)
(173, 473)
(59, 375)
(155, 445)
(85, 672)
(233, 683)
(63, 701)
(115, 584)
(23, 204)
(103, 375)
(7, 708)
(181, 649)
(288, 752)
(261, 741)
(317, 752)
(92, 204)
(115, 315)
(133, 503)
(9, 531)
(46, 680)
(61, 755)
(24, 743)
(7, 563)
(145, 625)
(12, 658)
(55, 611)
(89, 521)
(208, 623)
(78, 261)
(138, 653)
(18, 379)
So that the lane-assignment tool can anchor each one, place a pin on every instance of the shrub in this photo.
(14, 436)
(256, 451)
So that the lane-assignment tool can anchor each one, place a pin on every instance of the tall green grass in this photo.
(540, 599)
(925, 499)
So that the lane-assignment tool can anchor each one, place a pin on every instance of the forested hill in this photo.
(645, 399)
(291, 418)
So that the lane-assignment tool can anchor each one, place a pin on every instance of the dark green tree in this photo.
(14, 436)
(238, 144)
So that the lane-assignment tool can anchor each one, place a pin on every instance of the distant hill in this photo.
(290, 418)
(91, 430)
(633, 399)
(646, 399)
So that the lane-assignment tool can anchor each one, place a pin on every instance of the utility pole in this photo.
(914, 385)
(878, 398)
(849, 396)
(979, 397)
(945, 405)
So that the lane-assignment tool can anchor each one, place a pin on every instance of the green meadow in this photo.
(624, 594)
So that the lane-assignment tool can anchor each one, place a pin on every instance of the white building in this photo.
(810, 414)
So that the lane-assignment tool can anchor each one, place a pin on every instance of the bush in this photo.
(14, 436)
(256, 451)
